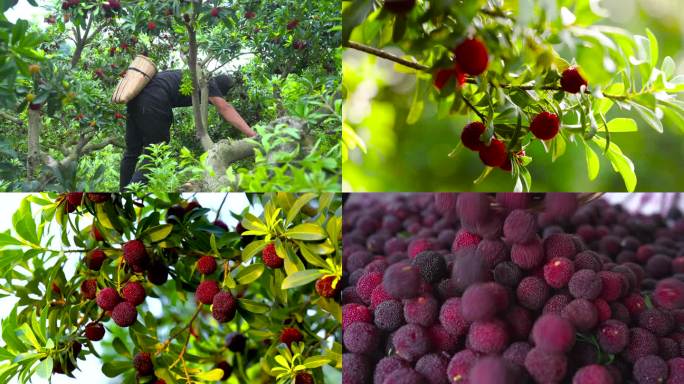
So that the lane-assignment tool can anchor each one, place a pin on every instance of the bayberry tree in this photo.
(255, 303)
(524, 72)
(58, 76)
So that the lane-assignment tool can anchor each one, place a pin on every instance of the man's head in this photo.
(224, 83)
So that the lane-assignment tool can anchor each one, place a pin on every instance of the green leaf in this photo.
(24, 224)
(120, 347)
(44, 369)
(252, 248)
(592, 161)
(669, 67)
(418, 103)
(622, 124)
(7, 239)
(115, 368)
(25, 333)
(248, 274)
(253, 223)
(306, 231)
(647, 115)
(316, 361)
(653, 45)
(300, 278)
(253, 306)
(158, 233)
(297, 206)
(213, 375)
(311, 257)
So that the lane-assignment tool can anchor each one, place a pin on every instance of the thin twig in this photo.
(385, 55)
(471, 106)
(527, 87)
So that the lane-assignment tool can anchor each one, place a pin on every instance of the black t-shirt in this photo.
(163, 90)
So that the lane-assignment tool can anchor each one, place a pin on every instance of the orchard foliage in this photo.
(526, 70)
(82, 48)
(267, 324)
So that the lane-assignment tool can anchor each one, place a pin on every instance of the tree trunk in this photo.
(33, 158)
(200, 127)
(77, 55)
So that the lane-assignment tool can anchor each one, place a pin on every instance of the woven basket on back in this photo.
(139, 73)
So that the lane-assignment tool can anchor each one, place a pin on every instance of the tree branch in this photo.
(527, 87)
(472, 107)
(11, 118)
(385, 55)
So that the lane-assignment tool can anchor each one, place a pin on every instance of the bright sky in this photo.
(90, 369)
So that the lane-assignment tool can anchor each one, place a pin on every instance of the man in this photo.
(150, 117)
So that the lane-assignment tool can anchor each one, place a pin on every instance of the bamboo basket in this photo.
(138, 74)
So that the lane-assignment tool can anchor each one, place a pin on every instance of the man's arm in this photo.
(231, 115)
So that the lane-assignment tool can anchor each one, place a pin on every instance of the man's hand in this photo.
(231, 115)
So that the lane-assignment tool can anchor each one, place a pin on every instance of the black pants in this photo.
(147, 123)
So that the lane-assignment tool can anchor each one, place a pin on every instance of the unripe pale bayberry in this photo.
(472, 56)
(470, 137)
(94, 331)
(271, 258)
(545, 126)
(572, 80)
(493, 155)
(206, 265)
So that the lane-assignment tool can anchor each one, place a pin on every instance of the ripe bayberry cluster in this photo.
(481, 288)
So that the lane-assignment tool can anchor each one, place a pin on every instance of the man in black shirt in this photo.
(150, 117)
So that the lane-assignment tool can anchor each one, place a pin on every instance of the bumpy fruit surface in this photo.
(214, 12)
(472, 56)
(545, 126)
(470, 137)
(206, 265)
(572, 81)
(270, 257)
(151, 26)
(494, 155)
(94, 331)
(325, 289)
(290, 335)
(143, 364)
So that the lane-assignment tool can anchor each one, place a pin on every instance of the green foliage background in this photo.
(413, 157)
(37, 333)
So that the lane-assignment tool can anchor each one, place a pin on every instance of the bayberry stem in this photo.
(471, 106)
(175, 334)
(411, 64)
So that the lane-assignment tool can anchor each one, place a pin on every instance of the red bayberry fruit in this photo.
(75, 199)
(545, 126)
(134, 293)
(206, 265)
(292, 24)
(290, 335)
(304, 378)
(35, 106)
(143, 364)
(470, 137)
(250, 15)
(472, 56)
(572, 80)
(206, 291)
(99, 197)
(135, 254)
(214, 12)
(151, 25)
(270, 257)
(89, 289)
(325, 289)
(95, 258)
(442, 77)
(494, 154)
(94, 331)
(399, 6)
(115, 5)
(96, 233)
